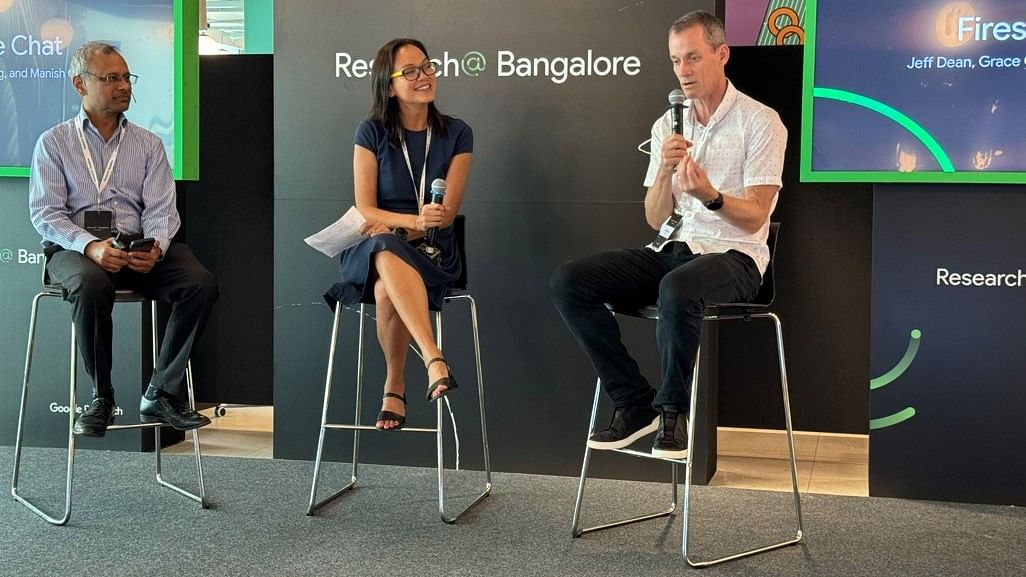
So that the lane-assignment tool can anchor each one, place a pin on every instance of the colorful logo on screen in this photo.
(957, 23)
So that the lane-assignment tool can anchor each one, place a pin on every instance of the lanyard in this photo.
(107, 172)
(700, 145)
(423, 172)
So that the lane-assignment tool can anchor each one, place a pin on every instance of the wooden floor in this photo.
(828, 463)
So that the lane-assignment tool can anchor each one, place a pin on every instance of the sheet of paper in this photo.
(339, 235)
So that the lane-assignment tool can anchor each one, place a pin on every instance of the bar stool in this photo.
(457, 293)
(713, 313)
(120, 296)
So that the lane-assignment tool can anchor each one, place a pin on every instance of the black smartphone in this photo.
(141, 245)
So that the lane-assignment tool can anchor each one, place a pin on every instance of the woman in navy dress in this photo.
(404, 145)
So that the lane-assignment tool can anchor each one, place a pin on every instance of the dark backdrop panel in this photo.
(966, 438)
(228, 217)
(556, 175)
(823, 272)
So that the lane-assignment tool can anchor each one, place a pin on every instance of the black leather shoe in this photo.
(627, 425)
(93, 421)
(171, 411)
(671, 442)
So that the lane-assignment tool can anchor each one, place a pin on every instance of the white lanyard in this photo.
(698, 146)
(423, 172)
(100, 184)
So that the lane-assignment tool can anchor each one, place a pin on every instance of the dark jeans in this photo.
(679, 282)
(178, 279)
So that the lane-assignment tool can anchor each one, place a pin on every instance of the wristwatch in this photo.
(400, 232)
(716, 203)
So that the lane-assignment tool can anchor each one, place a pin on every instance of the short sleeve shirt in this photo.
(742, 145)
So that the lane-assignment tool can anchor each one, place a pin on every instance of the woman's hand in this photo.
(370, 228)
(431, 215)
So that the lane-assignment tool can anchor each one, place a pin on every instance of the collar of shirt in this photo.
(83, 119)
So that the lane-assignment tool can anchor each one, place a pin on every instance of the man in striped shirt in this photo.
(98, 182)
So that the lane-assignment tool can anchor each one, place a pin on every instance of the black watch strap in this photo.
(400, 232)
(716, 203)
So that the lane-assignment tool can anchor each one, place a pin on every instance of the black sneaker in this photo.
(671, 442)
(171, 411)
(93, 421)
(628, 425)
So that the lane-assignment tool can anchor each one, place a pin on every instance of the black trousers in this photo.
(178, 279)
(679, 282)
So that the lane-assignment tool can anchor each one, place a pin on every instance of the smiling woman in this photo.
(400, 266)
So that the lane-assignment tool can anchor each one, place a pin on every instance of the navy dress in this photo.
(397, 193)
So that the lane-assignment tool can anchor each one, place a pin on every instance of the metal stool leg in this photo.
(575, 529)
(201, 497)
(63, 519)
(790, 446)
(314, 504)
(439, 416)
(438, 430)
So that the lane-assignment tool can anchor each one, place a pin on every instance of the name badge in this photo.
(666, 231)
(99, 223)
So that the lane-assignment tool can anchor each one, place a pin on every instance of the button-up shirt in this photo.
(741, 146)
(140, 193)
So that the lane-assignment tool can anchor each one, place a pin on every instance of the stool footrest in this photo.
(136, 426)
(644, 455)
(346, 427)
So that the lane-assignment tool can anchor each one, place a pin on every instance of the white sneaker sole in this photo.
(664, 454)
(625, 442)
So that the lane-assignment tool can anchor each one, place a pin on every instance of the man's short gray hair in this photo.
(715, 34)
(80, 59)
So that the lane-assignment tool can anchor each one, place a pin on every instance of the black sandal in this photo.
(449, 382)
(390, 416)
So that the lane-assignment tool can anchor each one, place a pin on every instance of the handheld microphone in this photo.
(677, 107)
(437, 195)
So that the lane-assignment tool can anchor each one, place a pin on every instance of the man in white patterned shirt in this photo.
(710, 194)
(98, 183)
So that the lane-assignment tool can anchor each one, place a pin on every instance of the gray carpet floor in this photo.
(123, 523)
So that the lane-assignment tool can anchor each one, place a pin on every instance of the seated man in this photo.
(710, 194)
(98, 182)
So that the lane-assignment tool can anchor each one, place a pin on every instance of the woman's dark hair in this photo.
(384, 108)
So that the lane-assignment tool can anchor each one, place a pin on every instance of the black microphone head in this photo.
(676, 97)
(438, 187)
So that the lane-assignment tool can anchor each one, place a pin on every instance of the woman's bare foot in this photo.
(392, 405)
(438, 370)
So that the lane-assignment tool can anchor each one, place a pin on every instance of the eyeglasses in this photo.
(412, 73)
(113, 78)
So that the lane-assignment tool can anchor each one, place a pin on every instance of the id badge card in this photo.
(99, 223)
(665, 232)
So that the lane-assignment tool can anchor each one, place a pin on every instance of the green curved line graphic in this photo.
(903, 364)
(900, 118)
(901, 416)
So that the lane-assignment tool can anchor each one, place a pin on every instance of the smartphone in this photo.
(141, 245)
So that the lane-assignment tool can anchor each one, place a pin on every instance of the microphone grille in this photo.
(676, 97)
(438, 186)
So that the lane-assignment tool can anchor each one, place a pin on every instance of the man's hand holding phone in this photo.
(143, 254)
(105, 254)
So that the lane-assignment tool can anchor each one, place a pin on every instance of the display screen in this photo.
(37, 40)
(915, 91)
